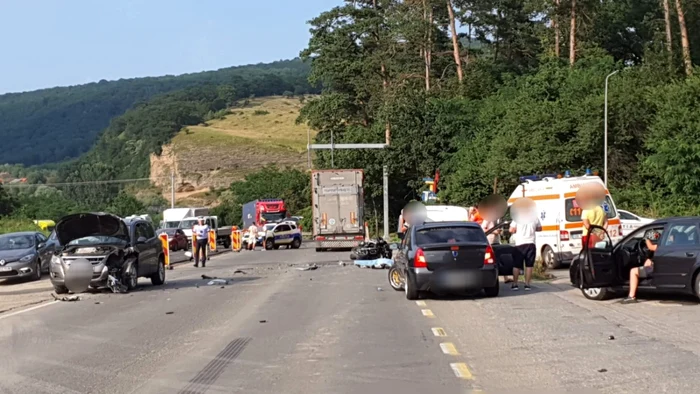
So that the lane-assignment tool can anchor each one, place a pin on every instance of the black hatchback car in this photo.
(445, 257)
(603, 269)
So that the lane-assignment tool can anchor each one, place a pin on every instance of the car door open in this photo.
(598, 268)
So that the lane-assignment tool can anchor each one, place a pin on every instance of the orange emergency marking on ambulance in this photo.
(555, 197)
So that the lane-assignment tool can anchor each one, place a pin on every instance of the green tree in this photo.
(125, 204)
(8, 204)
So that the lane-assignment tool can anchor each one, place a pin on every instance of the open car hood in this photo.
(82, 225)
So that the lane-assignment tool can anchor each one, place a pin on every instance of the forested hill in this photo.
(53, 125)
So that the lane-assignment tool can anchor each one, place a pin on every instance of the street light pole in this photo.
(605, 143)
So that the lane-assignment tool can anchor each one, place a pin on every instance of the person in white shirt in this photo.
(252, 236)
(524, 232)
(201, 231)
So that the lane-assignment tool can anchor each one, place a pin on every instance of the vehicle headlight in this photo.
(55, 260)
(26, 258)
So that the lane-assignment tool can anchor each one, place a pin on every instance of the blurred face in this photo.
(590, 195)
(493, 207)
(415, 213)
(524, 210)
(201, 222)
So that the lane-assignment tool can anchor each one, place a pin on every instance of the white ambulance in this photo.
(554, 195)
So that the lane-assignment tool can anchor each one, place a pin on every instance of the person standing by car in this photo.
(253, 236)
(524, 232)
(593, 216)
(201, 231)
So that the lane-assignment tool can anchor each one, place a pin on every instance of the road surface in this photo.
(341, 329)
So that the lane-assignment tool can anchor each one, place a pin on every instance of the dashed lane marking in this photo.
(427, 313)
(461, 371)
(439, 332)
(420, 303)
(449, 348)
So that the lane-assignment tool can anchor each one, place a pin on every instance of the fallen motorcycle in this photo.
(371, 250)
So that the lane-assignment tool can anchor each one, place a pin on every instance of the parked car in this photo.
(126, 249)
(24, 255)
(603, 269)
(445, 257)
(285, 233)
(631, 222)
(176, 238)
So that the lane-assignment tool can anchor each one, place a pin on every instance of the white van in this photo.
(560, 239)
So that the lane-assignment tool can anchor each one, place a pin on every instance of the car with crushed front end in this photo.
(24, 255)
(445, 257)
(603, 268)
(123, 249)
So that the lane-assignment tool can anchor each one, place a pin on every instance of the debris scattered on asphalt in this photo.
(308, 267)
(239, 272)
(67, 298)
(263, 321)
(169, 313)
(223, 287)
(341, 263)
(602, 370)
(380, 289)
(611, 338)
(209, 277)
(170, 267)
(197, 286)
(98, 302)
(217, 282)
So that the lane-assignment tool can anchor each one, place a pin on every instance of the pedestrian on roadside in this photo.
(201, 231)
(524, 232)
(253, 236)
(593, 216)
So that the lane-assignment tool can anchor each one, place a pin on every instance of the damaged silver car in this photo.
(119, 252)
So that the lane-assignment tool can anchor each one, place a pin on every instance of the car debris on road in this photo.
(308, 267)
(217, 282)
(72, 298)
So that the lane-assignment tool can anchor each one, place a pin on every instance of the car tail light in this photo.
(620, 230)
(359, 238)
(419, 259)
(563, 235)
(320, 238)
(489, 256)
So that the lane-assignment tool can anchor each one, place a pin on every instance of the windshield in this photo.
(169, 231)
(271, 217)
(188, 224)
(453, 234)
(15, 242)
(573, 211)
(268, 227)
(171, 224)
(97, 240)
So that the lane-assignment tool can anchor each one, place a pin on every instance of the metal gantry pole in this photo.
(332, 156)
(386, 203)
(605, 138)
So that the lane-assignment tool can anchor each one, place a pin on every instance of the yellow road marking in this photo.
(439, 332)
(461, 371)
(420, 303)
(427, 313)
(449, 348)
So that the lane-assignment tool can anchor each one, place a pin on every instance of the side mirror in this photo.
(141, 240)
(41, 245)
(394, 246)
(601, 245)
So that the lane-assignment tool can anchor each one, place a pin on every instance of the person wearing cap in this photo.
(201, 231)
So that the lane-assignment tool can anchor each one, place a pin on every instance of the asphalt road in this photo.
(341, 329)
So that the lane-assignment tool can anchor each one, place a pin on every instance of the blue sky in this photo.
(48, 43)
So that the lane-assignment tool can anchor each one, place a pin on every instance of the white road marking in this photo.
(421, 303)
(439, 332)
(449, 348)
(3, 316)
(427, 313)
(461, 371)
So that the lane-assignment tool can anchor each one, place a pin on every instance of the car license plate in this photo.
(575, 236)
(5, 269)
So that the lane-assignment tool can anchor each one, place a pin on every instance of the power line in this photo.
(82, 183)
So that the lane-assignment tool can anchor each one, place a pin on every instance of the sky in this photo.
(47, 43)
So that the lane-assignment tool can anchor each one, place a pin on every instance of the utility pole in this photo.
(386, 203)
(308, 143)
(605, 140)
(332, 149)
(172, 189)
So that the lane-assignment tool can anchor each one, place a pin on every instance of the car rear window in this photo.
(453, 234)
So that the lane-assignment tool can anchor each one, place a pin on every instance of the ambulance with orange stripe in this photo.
(555, 197)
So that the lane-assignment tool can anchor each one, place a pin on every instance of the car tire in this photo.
(269, 244)
(319, 249)
(58, 289)
(133, 281)
(696, 284)
(395, 279)
(493, 291)
(227, 244)
(296, 244)
(596, 293)
(159, 277)
(549, 258)
(411, 287)
(37, 270)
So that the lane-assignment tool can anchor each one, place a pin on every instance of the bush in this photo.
(259, 112)
(13, 225)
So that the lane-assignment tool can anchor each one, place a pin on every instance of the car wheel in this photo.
(410, 287)
(37, 270)
(395, 280)
(549, 258)
(493, 291)
(269, 244)
(296, 244)
(159, 277)
(60, 289)
(132, 277)
(596, 293)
